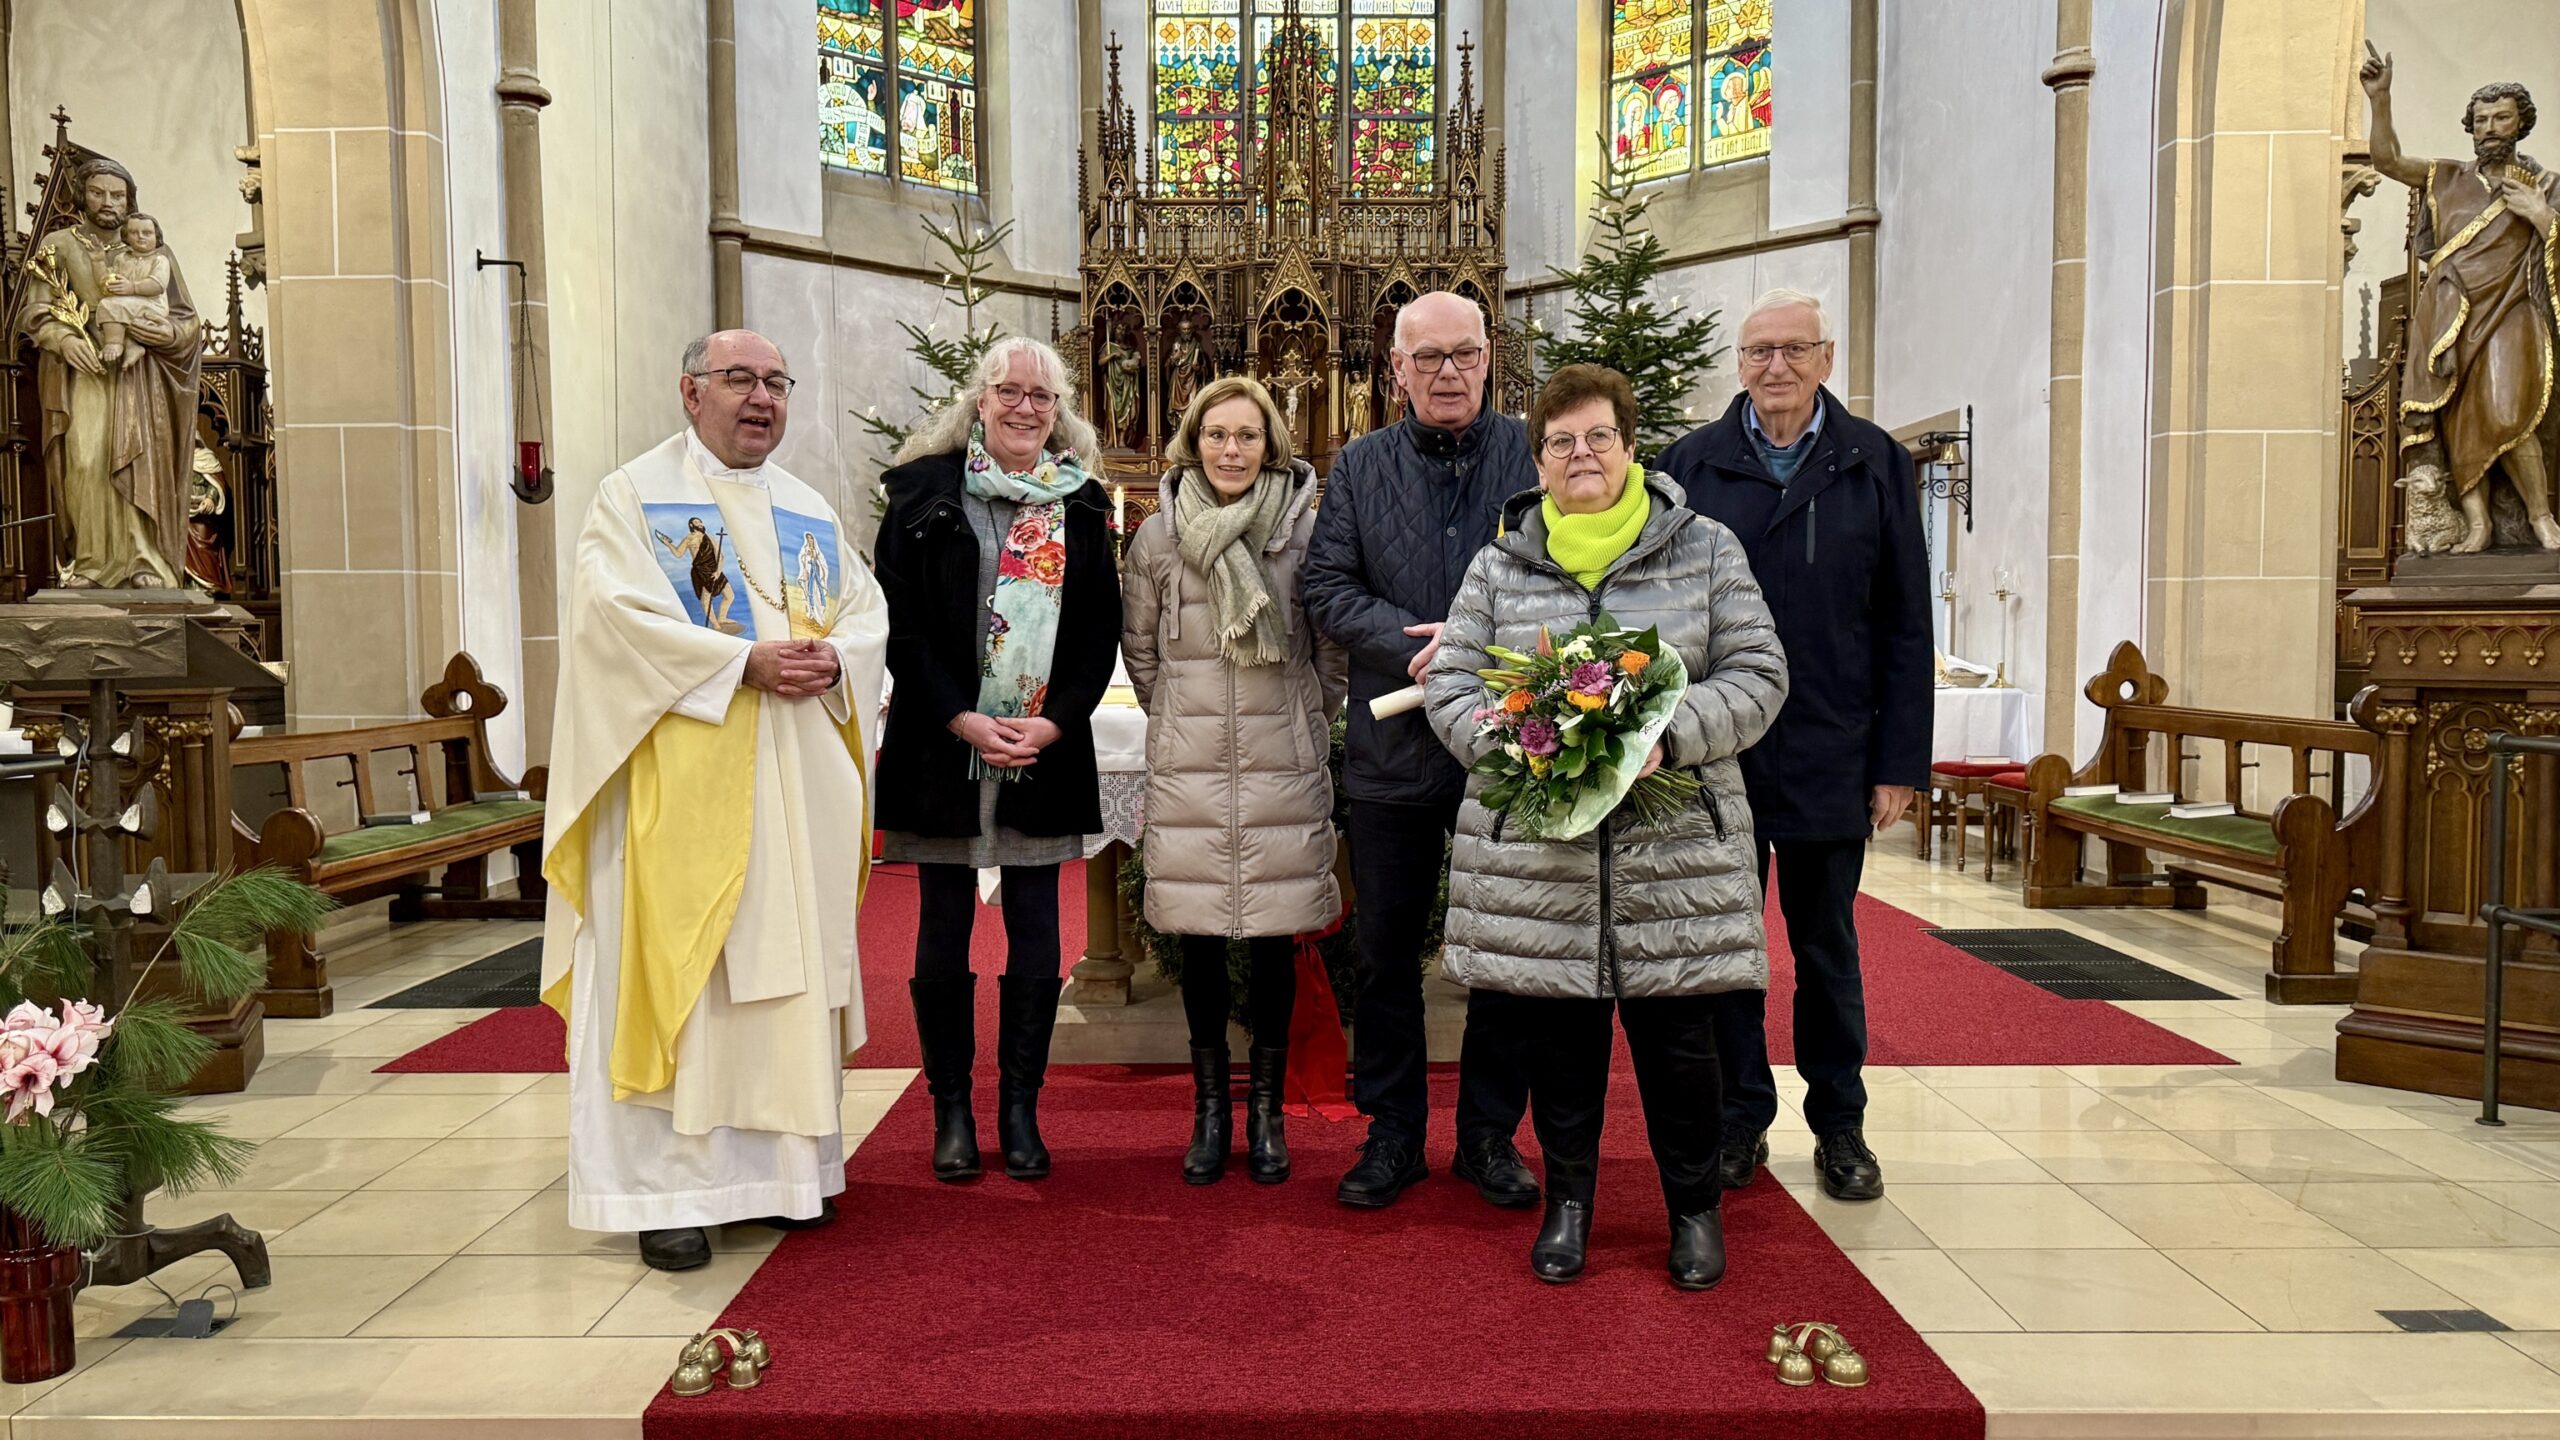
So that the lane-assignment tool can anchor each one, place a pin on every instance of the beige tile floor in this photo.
(2098, 1251)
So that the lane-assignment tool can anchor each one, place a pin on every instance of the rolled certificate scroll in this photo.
(1396, 702)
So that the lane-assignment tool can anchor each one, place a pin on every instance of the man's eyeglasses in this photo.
(1042, 401)
(1429, 362)
(739, 380)
(1756, 356)
(1601, 438)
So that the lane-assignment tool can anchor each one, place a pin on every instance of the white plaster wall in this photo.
(1809, 113)
(2440, 53)
(778, 165)
(2114, 453)
(176, 138)
(626, 196)
(1964, 177)
(1033, 68)
(484, 375)
(1552, 97)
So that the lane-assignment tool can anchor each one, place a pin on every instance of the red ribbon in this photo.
(1317, 1054)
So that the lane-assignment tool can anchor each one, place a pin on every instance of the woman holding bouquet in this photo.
(1238, 691)
(1656, 907)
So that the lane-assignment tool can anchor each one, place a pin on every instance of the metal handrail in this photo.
(2498, 915)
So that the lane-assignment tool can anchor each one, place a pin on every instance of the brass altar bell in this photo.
(1815, 1349)
(742, 1353)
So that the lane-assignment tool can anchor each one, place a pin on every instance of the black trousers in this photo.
(1673, 1043)
(1818, 894)
(1271, 989)
(1396, 868)
(947, 909)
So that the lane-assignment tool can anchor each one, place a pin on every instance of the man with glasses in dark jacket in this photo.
(1404, 510)
(1826, 507)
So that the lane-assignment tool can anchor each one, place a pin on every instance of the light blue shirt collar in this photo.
(1751, 420)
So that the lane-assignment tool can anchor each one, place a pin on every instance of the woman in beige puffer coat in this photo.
(1239, 693)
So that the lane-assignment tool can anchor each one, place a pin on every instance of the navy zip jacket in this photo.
(1403, 512)
(1841, 559)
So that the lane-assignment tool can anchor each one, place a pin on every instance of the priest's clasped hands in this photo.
(795, 669)
(1005, 742)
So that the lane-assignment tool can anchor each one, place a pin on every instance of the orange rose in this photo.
(1634, 661)
(1517, 701)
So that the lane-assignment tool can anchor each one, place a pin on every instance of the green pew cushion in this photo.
(451, 821)
(2232, 832)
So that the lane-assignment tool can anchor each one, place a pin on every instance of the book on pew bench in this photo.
(2078, 792)
(2146, 797)
(483, 797)
(1989, 760)
(2202, 810)
(398, 817)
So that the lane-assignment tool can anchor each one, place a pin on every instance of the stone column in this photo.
(2070, 73)
(1493, 65)
(521, 98)
(1862, 215)
(728, 232)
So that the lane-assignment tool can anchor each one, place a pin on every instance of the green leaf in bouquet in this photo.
(1648, 641)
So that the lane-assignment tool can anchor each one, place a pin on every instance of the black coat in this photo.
(1404, 510)
(928, 567)
(1840, 556)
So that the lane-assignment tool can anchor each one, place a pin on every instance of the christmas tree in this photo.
(1617, 322)
(970, 251)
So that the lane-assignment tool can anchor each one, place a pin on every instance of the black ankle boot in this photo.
(1697, 1249)
(1556, 1257)
(1212, 1118)
(947, 1034)
(1266, 1137)
(1027, 1010)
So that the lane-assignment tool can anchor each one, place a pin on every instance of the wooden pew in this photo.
(2300, 852)
(475, 812)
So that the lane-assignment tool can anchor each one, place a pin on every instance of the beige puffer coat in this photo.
(1239, 800)
(1633, 910)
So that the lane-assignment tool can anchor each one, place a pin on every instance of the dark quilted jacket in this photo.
(1404, 511)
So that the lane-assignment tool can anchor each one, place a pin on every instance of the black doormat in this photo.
(2075, 967)
(513, 976)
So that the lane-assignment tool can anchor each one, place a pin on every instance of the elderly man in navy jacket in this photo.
(1404, 510)
(1825, 504)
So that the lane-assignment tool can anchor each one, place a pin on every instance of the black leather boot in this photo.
(1212, 1118)
(947, 1034)
(1027, 1010)
(1697, 1249)
(1556, 1257)
(1266, 1136)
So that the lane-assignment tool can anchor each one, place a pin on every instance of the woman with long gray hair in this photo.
(1004, 628)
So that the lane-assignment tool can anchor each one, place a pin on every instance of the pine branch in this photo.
(69, 1191)
(154, 1047)
(42, 959)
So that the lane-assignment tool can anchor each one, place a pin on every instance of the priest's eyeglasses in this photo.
(1756, 356)
(1601, 438)
(1430, 362)
(739, 380)
(1042, 401)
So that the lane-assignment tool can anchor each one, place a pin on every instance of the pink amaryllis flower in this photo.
(39, 1052)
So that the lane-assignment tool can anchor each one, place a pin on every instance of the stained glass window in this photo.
(1688, 83)
(925, 54)
(1213, 69)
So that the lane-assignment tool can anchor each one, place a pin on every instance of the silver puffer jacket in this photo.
(1627, 910)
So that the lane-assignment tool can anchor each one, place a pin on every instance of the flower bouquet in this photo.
(1572, 726)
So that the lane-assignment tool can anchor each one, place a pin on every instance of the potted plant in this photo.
(89, 1080)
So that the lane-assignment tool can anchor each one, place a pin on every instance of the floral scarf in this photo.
(1031, 576)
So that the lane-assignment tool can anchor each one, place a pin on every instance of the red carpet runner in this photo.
(1928, 1003)
(1113, 1301)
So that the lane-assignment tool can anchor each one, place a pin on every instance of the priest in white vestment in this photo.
(709, 826)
